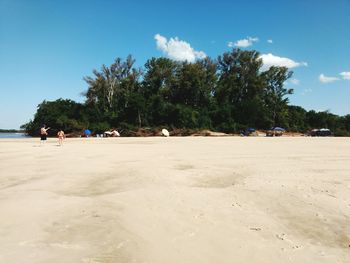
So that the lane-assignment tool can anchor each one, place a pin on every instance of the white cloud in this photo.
(345, 75)
(272, 60)
(270, 41)
(295, 81)
(246, 42)
(178, 49)
(324, 79)
(305, 91)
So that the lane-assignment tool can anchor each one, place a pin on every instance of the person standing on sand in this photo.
(43, 134)
(61, 137)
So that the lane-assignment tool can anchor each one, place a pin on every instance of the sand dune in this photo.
(188, 199)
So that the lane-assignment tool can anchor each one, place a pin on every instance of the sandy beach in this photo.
(172, 200)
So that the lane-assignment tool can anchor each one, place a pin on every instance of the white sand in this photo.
(174, 200)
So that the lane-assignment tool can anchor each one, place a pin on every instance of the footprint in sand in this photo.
(236, 204)
(199, 216)
(191, 234)
(296, 247)
(283, 237)
(255, 228)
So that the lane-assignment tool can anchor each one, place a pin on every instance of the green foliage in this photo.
(241, 90)
(231, 93)
(9, 130)
(100, 127)
(59, 114)
(275, 95)
(297, 119)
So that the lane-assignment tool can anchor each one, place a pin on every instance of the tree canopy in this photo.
(228, 94)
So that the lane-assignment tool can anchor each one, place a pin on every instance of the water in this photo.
(13, 135)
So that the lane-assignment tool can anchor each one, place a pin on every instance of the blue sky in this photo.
(47, 47)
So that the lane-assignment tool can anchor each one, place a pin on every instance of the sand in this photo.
(172, 200)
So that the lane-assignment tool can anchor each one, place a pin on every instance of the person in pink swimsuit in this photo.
(61, 137)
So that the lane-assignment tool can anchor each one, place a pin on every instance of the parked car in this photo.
(275, 131)
(249, 132)
(320, 132)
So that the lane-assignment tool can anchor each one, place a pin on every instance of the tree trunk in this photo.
(139, 117)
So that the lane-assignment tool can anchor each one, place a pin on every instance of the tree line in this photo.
(228, 94)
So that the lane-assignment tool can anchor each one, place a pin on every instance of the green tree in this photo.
(229, 94)
(111, 89)
(239, 87)
(275, 95)
(159, 77)
(59, 114)
(297, 120)
(192, 92)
